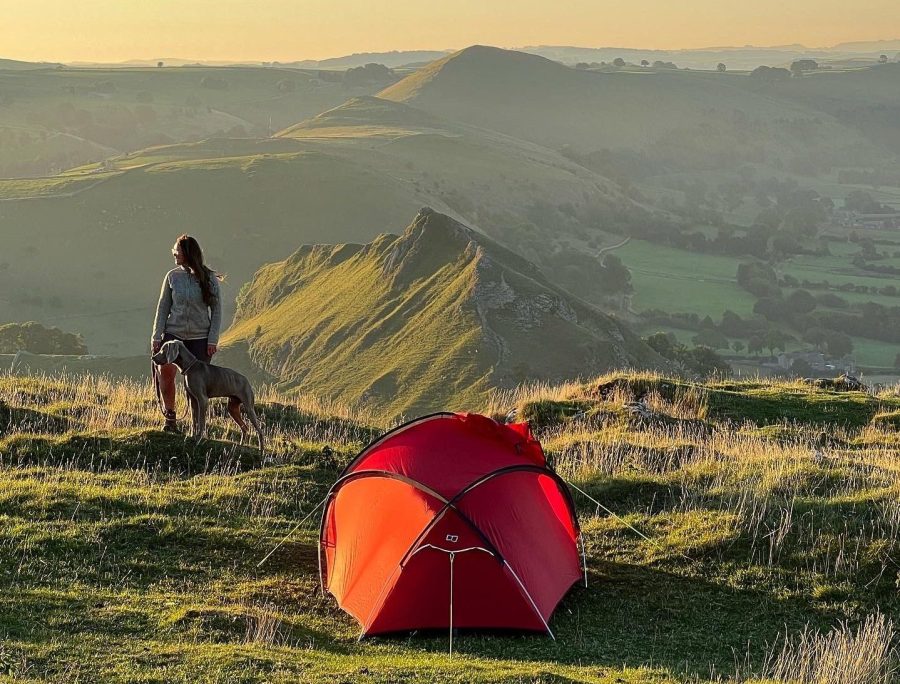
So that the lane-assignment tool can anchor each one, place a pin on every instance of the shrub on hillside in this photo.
(699, 361)
(770, 74)
(38, 339)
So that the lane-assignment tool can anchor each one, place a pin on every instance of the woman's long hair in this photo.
(193, 259)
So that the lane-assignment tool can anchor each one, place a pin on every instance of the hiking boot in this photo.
(171, 424)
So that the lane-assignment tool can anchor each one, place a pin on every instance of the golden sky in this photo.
(286, 30)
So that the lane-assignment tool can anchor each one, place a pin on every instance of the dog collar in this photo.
(185, 370)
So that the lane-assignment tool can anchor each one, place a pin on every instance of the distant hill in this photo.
(394, 58)
(347, 175)
(741, 58)
(15, 65)
(868, 46)
(428, 320)
(55, 119)
(534, 98)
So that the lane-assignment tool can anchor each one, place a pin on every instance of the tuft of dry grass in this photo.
(864, 655)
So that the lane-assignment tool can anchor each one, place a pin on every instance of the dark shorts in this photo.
(195, 347)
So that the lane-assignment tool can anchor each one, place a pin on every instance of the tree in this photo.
(738, 346)
(662, 343)
(703, 361)
(710, 338)
(614, 276)
(770, 74)
(815, 336)
(38, 339)
(801, 302)
(882, 59)
(618, 62)
(370, 73)
(801, 368)
(645, 63)
(755, 345)
(838, 344)
(159, 65)
(720, 67)
(801, 65)
(775, 339)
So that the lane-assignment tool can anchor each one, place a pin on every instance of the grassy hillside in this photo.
(344, 176)
(769, 552)
(702, 171)
(533, 98)
(429, 320)
(53, 119)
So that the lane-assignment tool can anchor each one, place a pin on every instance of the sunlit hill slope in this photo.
(431, 319)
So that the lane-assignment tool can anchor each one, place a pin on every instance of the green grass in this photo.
(676, 280)
(125, 570)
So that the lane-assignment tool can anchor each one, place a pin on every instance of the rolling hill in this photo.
(346, 175)
(54, 119)
(428, 320)
(534, 98)
(496, 139)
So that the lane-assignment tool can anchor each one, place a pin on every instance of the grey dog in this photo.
(204, 381)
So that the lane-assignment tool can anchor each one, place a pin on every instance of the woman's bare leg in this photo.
(167, 375)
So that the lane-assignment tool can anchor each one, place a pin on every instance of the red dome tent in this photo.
(451, 520)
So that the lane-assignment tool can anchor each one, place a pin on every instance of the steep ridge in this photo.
(432, 319)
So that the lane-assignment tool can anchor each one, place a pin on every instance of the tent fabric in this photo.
(450, 520)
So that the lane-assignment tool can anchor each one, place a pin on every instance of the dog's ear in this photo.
(171, 350)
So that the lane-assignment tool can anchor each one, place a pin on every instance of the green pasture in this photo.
(744, 515)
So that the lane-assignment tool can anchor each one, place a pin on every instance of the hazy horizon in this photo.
(280, 30)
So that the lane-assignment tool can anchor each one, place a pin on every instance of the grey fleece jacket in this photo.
(181, 311)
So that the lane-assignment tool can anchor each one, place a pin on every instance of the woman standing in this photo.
(189, 310)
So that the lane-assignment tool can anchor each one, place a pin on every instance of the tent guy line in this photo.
(621, 520)
(289, 534)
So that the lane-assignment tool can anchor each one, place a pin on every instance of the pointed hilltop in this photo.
(537, 99)
(472, 69)
(430, 319)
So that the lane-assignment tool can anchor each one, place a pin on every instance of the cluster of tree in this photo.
(698, 361)
(790, 281)
(365, 75)
(786, 309)
(38, 339)
(758, 279)
(768, 74)
(587, 275)
(801, 65)
(873, 321)
(862, 261)
(756, 334)
(619, 62)
(862, 202)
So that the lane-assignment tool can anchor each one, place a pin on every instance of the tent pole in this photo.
(452, 556)
(583, 556)
(531, 600)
